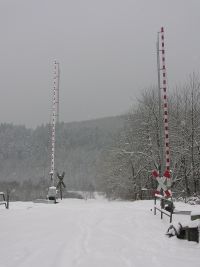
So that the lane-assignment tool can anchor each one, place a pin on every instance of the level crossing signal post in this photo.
(163, 175)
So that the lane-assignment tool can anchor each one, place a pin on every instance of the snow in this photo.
(92, 233)
(195, 223)
(195, 213)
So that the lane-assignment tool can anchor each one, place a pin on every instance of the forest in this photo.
(130, 163)
(113, 155)
(25, 155)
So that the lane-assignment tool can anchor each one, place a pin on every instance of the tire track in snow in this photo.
(89, 248)
(87, 227)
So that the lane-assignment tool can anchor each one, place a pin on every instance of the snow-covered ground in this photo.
(92, 233)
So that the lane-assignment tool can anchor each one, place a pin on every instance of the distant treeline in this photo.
(25, 155)
(28, 191)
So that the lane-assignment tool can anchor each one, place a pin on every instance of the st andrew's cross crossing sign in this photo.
(60, 184)
(161, 183)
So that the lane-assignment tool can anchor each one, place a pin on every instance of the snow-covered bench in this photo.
(166, 206)
(188, 231)
(195, 215)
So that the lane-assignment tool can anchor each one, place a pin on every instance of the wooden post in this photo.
(61, 192)
(7, 199)
(171, 217)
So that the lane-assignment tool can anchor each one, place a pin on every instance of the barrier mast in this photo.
(54, 119)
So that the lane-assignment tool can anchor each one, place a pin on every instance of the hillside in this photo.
(25, 153)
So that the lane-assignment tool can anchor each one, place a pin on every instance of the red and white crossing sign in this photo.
(164, 183)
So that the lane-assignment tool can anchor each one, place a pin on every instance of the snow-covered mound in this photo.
(91, 233)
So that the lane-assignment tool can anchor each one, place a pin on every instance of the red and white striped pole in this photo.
(165, 106)
(163, 80)
(54, 117)
(165, 103)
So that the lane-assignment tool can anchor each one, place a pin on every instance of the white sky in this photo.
(106, 50)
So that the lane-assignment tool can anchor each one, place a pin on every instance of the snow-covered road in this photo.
(92, 233)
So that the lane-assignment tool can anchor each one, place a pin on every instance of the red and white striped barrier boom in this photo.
(165, 103)
(163, 78)
(54, 117)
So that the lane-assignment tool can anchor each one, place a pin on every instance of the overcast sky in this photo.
(106, 50)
